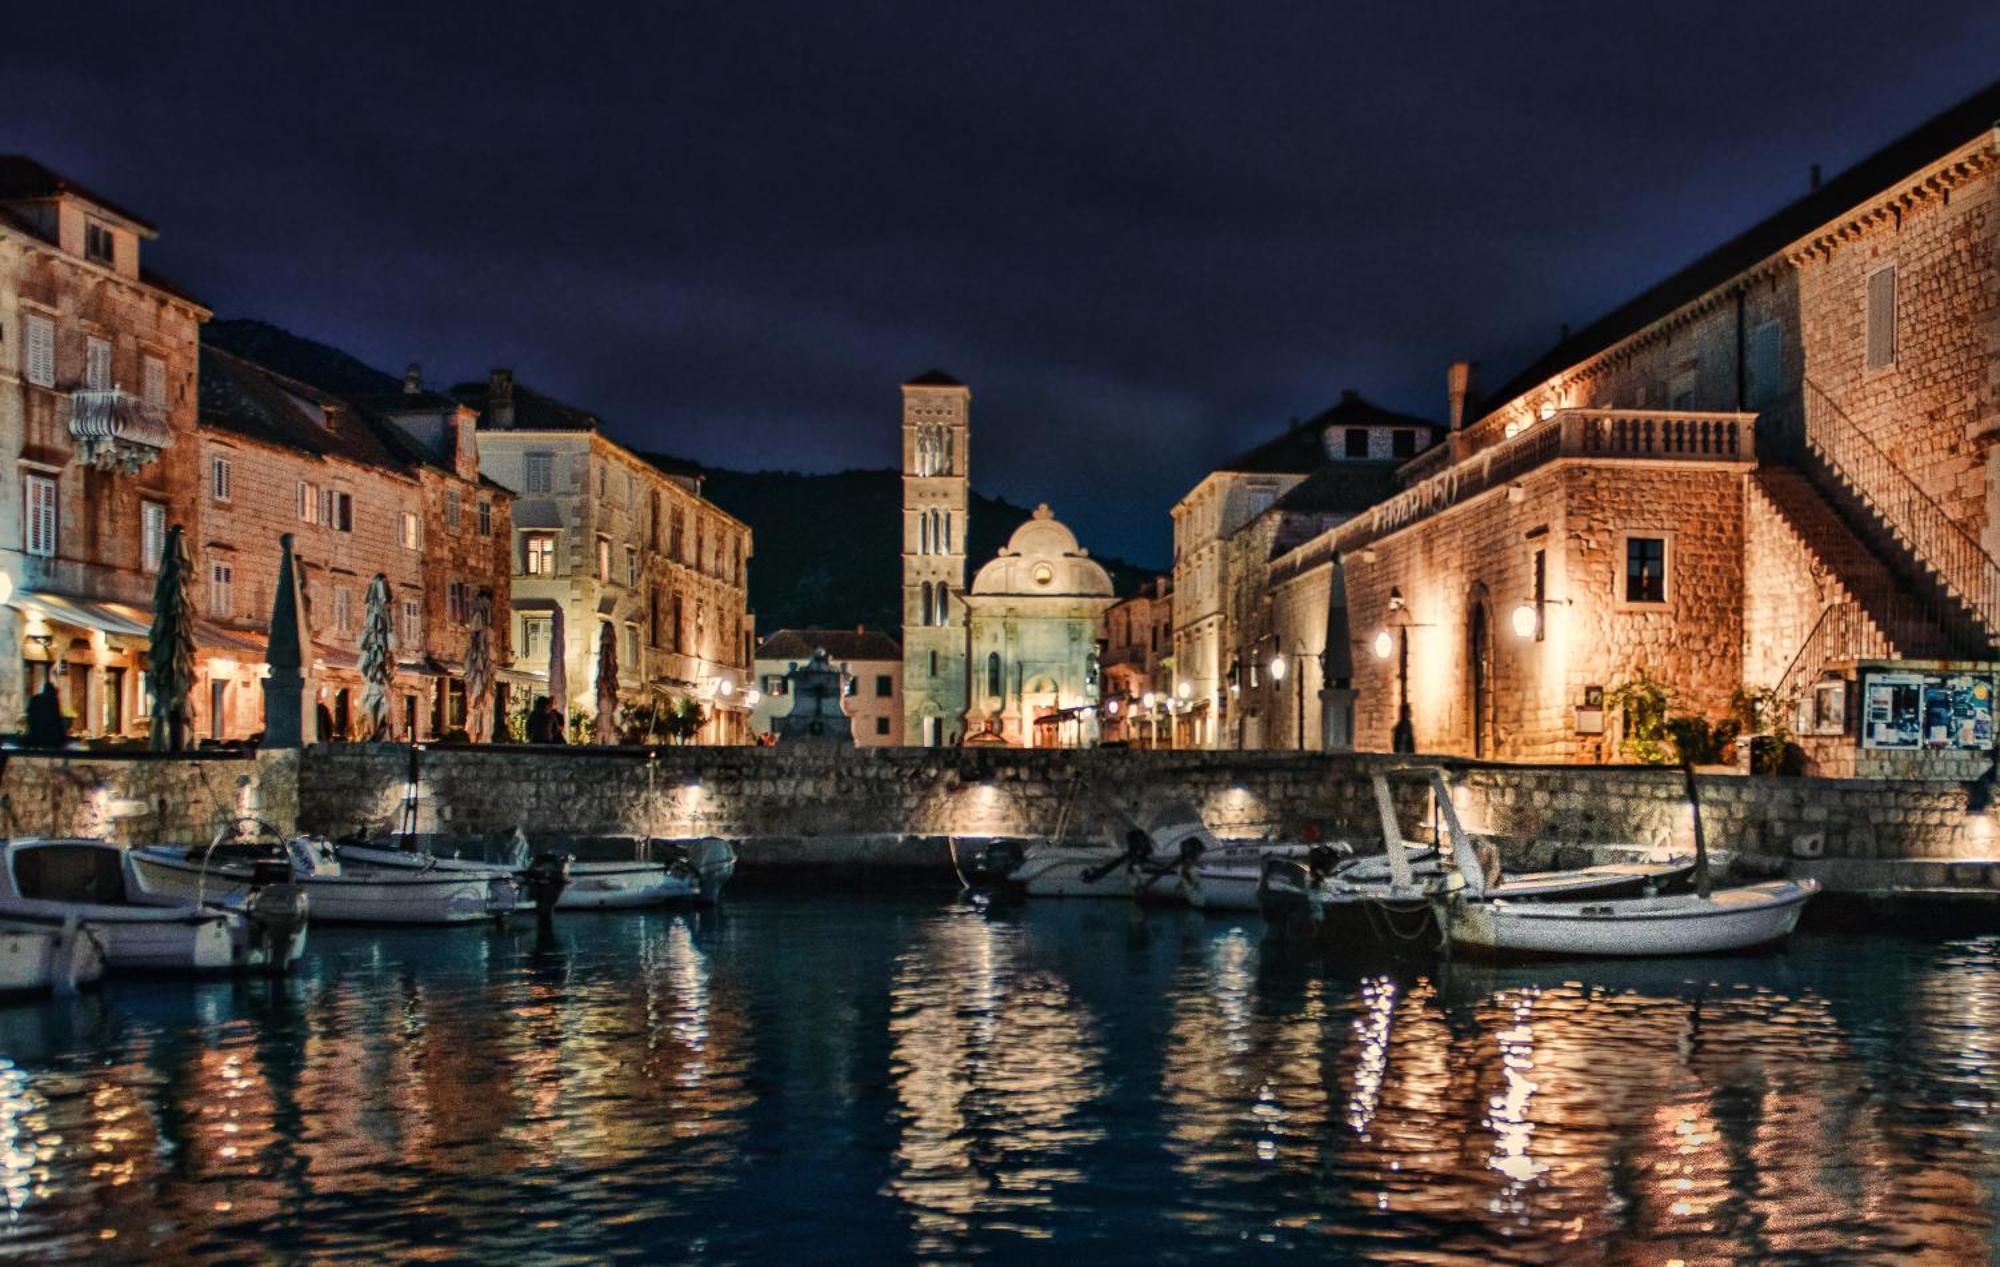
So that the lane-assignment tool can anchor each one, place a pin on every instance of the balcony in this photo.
(1596, 435)
(115, 430)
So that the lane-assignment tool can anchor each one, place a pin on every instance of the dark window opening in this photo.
(1645, 570)
(1403, 442)
(1357, 442)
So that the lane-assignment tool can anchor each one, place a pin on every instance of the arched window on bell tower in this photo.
(924, 618)
(993, 674)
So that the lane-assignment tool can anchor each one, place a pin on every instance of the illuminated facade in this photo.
(937, 456)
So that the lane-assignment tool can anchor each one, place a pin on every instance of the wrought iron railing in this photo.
(1843, 632)
(1934, 540)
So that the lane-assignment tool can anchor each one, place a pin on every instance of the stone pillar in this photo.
(1336, 711)
(286, 723)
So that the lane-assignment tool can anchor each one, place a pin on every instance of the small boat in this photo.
(48, 959)
(337, 896)
(51, 880)
(1741, 917)
(685, 871)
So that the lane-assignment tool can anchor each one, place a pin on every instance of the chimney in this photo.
(1815, 175)
(413, 378)
(500, 397)
(1458, 392)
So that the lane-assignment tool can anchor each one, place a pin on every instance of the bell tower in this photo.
(936, 463)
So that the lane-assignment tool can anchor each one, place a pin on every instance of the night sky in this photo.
(1145, 235)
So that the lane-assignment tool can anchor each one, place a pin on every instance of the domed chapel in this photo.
(1012, 660)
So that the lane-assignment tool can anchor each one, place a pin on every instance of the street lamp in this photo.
(1526, 620)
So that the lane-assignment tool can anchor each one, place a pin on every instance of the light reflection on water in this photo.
(920, 1078)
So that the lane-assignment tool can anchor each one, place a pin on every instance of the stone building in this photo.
(872, 661)
(936, 442)
(610, 536)
(1768, 471)
(97, 430)
(391, 488)
(1033, 615)
(1138, 667)
(1217, 572)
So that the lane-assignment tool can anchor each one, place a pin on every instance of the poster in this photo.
(1927, 710)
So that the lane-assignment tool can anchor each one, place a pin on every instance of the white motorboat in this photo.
(690, 871)
(362, 896)
(50, 880)
(1740, 917)
(48, 958)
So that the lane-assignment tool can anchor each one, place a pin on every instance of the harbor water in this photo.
(919, 1077)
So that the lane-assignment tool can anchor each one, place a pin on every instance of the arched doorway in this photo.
(1479, 672)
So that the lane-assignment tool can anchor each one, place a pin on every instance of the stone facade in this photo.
(610, 536)
(937, 468)
(85, 331)
(873, 662)
(1034, 612)
(1138, 665)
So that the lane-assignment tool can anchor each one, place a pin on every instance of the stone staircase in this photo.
(1886, 620)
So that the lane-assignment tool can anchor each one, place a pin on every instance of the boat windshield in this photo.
(70, 873)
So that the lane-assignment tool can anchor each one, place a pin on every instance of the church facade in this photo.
(1015, 659)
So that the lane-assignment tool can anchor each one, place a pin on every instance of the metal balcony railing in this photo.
(116, 430)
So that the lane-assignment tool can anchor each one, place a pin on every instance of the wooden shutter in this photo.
(153, 388)
(41, 351)
(97, 364)
(41, 516)
(1882, 317)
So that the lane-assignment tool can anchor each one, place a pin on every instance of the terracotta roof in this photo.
(933, 378)
(1341, 488)
(246, 399)
(1301, 450)
(840, 644)
(533, 411)
(1867, 179)
(23, 177)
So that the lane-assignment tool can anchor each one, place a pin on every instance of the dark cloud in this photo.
(1146, 234)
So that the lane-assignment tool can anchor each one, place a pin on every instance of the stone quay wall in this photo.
(892, 809)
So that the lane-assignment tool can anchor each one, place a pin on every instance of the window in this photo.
(1881, 351)
(456, 602)
(1403, 442)
(343, 609)
(221, 583)
(220, 473)
(96, 242)
(679, 614)
(152, 534)
(993, 674)
(534, 638)
(153, 382)
(884, 686)
(1645, 569)
(934, 664)
(97, 364)
(674, 550)
(924, 618)
(341, 508)
(881, 725)
(40, 352)
(1357, 442)
(454, 511)
(310, 509)
(632, 644)
(485, 517)
(407, 532)
(943, 604)
(603, 482)
(412, 633)
(604, 559)
(700, 544)
(1766, 366)
(538, 472)
(541, 554)
(632, 566)
(41, 516)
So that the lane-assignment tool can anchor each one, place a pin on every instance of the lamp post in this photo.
(1403, 738)
(1277, 667)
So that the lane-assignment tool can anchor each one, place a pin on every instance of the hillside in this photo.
(827, 545)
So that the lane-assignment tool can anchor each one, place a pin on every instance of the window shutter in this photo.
(1882, 318)
(154, 386)
(41, 523)
(97, 365)
(41, 351)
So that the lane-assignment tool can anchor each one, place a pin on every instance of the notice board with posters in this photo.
(1911, 710)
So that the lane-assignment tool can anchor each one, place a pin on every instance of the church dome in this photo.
(1043, 557)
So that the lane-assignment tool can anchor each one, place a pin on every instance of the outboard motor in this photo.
(277, 909)
(1192, 848)
(1138, 848)
(544, 881)
(1323, 860)
(713, 861)
(1289, 896)
(989, 863)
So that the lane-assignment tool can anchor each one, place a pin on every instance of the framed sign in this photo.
(1909, 711)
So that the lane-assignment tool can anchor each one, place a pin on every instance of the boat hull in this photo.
(140, 938)
(1730, 920)
(592, 885)
(37, 960)
(454, 898)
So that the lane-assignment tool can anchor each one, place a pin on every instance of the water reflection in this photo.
(924, 1079)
